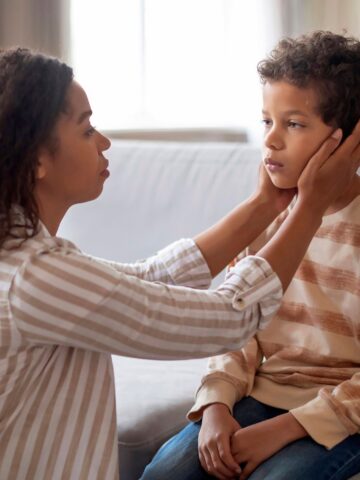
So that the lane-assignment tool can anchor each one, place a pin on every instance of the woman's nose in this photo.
(104, 142)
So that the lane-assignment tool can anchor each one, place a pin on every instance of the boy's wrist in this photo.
(289, 428)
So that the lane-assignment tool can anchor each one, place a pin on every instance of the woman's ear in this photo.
(43, 164)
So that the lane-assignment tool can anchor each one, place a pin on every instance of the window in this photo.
(169, 63)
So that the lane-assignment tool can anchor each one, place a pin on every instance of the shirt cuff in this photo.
(214, 391)
(321, 422)
(252, 281)
(185, 264)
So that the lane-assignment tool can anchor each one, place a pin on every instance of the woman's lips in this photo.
(105, 173)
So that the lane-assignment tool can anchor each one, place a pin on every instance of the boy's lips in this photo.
(272, 165)
(269, 161)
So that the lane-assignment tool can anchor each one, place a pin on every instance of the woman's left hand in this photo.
(250, 446)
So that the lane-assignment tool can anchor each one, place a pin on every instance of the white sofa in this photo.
(158, 192)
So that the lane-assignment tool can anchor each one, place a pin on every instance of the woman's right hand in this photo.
(275, 198)
(218, 425)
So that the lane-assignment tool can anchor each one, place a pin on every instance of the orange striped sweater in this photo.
(308, 359)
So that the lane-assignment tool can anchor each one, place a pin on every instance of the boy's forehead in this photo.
(288, 97)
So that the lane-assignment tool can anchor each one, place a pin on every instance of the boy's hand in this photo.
(252, 445)
(330, 171)
(278, 198)
(218, 425)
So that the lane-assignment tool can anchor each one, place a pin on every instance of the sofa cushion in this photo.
(152, 400)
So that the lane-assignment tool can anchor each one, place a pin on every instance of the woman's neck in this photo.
(50, 214)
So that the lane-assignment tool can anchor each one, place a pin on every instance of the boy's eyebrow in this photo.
(291, 112)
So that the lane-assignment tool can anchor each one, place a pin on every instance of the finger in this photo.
(208, 464)
(327, 148)
(353, 140)
(219, 467)
(226, 456)
(205, 460)
(247, 470)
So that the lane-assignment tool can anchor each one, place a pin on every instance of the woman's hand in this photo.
(218, 425)
(274, 197)
(252, 445)
(330, 171)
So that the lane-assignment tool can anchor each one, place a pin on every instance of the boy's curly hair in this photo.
(33, 91)
(327, 62)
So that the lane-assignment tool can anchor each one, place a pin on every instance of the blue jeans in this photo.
(303, 459)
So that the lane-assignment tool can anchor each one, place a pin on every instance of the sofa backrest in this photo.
(159, 192)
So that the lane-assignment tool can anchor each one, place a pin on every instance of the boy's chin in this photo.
(284, 184)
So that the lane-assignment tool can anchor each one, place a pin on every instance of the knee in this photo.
(153, 471)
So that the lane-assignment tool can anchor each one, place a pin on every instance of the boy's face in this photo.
(293, 131)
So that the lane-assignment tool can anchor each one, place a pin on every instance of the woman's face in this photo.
(293, 131)
(76, 171)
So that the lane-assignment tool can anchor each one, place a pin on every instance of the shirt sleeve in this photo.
(180, 263)
(62, 297)
(334, 414)
(230, 377)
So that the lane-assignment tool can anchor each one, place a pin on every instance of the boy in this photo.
(287, 406)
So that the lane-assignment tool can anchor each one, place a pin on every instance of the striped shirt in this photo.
(308, 359)
(62, 315)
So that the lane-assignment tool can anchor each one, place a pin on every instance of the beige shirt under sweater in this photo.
(62, 313)
(308, 359)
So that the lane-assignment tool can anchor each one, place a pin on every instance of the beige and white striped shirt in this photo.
(62, 313)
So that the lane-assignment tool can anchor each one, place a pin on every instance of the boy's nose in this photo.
(273, 140)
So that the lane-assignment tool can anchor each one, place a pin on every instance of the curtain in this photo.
(38, 24)
(338, 16)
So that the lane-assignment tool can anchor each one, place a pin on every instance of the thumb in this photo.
(327, 148)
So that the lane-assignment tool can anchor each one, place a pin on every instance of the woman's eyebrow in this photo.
(84, 115)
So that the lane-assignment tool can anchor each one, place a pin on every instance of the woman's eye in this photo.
(90, 131)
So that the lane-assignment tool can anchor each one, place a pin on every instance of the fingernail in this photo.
(337, 134)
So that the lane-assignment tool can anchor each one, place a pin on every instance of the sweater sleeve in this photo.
(230, 377)
(334, 414)
(61, 297)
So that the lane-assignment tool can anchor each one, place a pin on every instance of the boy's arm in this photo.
(230, 377)
(334, 414)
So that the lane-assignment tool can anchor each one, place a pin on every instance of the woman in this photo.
(63, 313)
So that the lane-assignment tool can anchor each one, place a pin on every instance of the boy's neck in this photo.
(348, 196)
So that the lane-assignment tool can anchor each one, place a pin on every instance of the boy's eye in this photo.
(293, 124)
(266, 122)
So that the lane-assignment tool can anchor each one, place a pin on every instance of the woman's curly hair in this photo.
(327, 62)
(33, 90)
